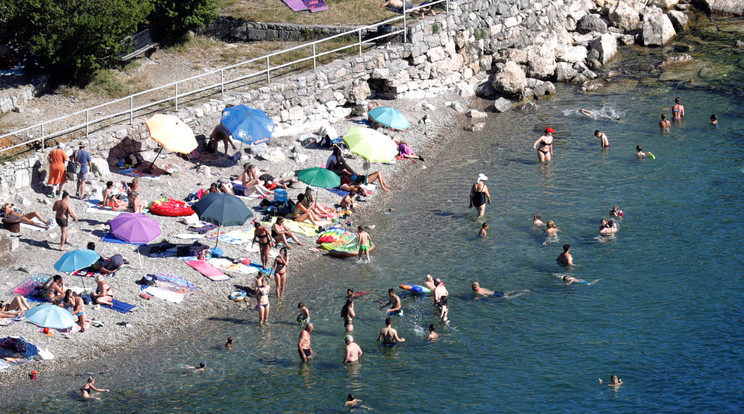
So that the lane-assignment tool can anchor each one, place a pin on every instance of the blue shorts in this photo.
(83, 176)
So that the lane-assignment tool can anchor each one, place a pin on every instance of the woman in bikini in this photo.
(544, 146)
(303, 212)
(251, 182)
(280, 271)
(678, 111)
(78, 308)
(110, 200)
(665, 124)
(103, 294)
(479, 195)
(16, 307)
(280, 232)
(263, 301)
(320, 210)
(347, 312)
(9, 210)
(265, 242)
(88, 387)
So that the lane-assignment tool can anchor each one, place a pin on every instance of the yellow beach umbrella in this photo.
(172, 133)
(371, 145)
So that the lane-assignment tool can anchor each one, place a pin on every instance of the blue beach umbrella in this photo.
(47, 315)
(247, 125)
(391, 118)
(76, 260)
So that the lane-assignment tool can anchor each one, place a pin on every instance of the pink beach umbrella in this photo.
(135, 228)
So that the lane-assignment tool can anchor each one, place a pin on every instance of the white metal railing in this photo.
(170, 94)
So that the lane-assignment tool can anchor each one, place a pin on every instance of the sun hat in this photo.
(349, 338)
(482, 177)
(550, 130)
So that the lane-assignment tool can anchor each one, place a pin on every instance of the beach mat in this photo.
(120, 306)
(296, 5)
(110, 238)
(228, 266)
(189, 236)
(90, 272)
(316, 5)
(34, 228)
(93, 207)
(163, 294)
(176, 280)
(207, 270)
(339, 192)
(31, 284)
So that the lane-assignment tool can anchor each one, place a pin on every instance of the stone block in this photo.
(502, 105)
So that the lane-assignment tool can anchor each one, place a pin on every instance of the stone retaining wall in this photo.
(15, 92)
(230, 29)
(492, 48)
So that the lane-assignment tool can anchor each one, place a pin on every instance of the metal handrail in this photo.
(47, 132)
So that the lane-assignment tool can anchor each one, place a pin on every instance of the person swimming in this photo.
(483, 230)
(713, 119)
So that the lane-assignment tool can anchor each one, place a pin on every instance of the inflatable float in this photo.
(238, 296)
(170, 207)
(340, 242)
(415, 288)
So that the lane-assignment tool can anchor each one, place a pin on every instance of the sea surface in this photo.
(664, 312)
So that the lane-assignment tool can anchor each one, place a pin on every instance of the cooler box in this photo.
(280, 195)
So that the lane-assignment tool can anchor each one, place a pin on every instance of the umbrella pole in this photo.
(152, 164)
(217, 241)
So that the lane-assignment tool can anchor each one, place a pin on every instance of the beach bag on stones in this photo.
(327, 135)
(73, 167)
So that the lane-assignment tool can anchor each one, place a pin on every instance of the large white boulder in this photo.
(625, 17)
(510, 80)
(606, 45)
(657, 28)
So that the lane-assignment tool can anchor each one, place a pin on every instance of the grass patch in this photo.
(339, 13)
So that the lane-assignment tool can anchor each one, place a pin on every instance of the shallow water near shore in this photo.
(665, 315)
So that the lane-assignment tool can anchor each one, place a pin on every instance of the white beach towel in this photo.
(34, 228)
(164, 294)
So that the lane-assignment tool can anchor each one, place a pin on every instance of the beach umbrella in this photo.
(172, 133)
(370, 144)
(135, 228)
(52, 316)
(221, 209)
(319, 177)
(75, 260)
(248, 125)
(391, 118)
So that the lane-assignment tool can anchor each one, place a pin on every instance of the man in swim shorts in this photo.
(63, 212)
(481, 291)
(604, 141)
(394, 302)
(389, 335)
(364, 242)
(353, 351)
(565, 258)
(304, 347)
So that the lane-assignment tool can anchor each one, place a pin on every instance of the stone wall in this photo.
(490, 48)
(15, 92)
(230, 29)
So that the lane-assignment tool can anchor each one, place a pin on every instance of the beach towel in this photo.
(254, 249)
(91, 272)
(236, 237)
(175, 279)
(93, 207)
(303, 228)
(110, 238)
(163, 294)
(120, 306)
(131, 172)
(316, 5)
(296, 5)
(34, 228)
(228, 266)
(207, 270)
(188, 236)
(339, 192)
(31, 284)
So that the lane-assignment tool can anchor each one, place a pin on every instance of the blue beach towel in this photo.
(120, 306)
(110, 238)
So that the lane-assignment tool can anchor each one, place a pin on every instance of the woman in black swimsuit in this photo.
(88, 387)
(544, 146)
(479, 195)
(264, 242)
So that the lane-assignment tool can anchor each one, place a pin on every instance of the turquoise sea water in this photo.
(665, 315)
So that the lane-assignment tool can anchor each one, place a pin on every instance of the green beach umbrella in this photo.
(319, 177)
(371, 145)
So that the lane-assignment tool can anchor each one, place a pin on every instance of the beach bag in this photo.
(73, 166)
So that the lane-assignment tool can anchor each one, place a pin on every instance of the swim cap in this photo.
(550, 130)
(349, 338)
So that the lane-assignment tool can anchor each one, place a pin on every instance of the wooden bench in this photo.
(141, 43)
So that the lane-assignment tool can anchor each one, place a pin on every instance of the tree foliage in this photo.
(173, 18)
(74, 38)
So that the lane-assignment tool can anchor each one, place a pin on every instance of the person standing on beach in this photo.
(263, 236)
(63, 212)
(678, 111)
(544, 146)
(353, 351)
(665, 124)
(57, 174)
(479, 196)
(348, 313)
(389, 335)
(604, 141)
(304, 347)
(83, 158)
(565, 258)
(89, 386)
(364, 242)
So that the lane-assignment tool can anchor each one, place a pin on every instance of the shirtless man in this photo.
(394, 302)
(604, 141)
(63, 212)
(565, 258)
(607, 227)
(481, 291)
(396, 6)
(219, 133)
(639, 152)
(303, 346)
(536, 221)
(389, 335)
(429, 282)
(433, 335)
(439, 291)
(353, 351)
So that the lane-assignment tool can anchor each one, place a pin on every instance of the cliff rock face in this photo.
(735, 7)
(657, 28)
(625, 17)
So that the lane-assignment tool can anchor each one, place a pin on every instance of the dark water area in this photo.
(664, 311)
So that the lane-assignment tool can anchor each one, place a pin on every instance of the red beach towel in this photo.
(209, 271)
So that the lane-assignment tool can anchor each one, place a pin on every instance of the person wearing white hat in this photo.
(479, 195)
(353, 350)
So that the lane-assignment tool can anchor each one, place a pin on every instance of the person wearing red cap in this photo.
(544, 146)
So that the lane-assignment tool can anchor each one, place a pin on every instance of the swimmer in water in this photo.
(483, 230)
(607, 227)
(570, 279)
(389, 335)
(481, 291)
(604, 141)
(678, 111)
(565, 258)
(536, 221)
(551, 229)
(433, 335)
(90, 386)
(201, 368)
(394, 302)
(614, 381)
(639, 152)
(713, 119)
(665, 124)
(351, 401)
(616, 212)
(430, 282)
(229, 343)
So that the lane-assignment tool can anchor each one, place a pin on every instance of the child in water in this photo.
(229, 343)
(713, 119)
(364, 242)
(639, 152)
(614, 381)
(483, 230)
(304, 316)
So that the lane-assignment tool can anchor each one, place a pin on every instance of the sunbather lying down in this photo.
(398, 5)
(16, 307)
(9, 210)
